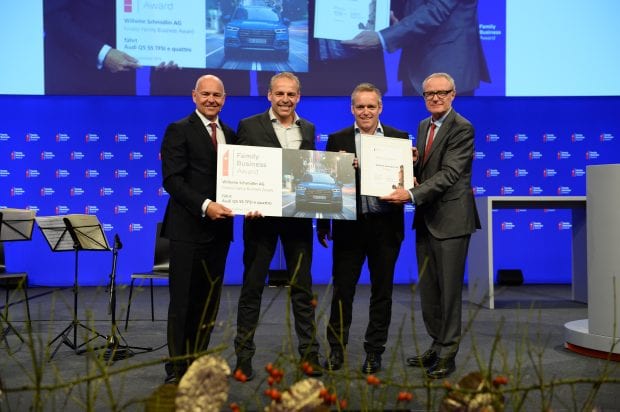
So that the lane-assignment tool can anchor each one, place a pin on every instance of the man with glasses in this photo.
(376, 235)
(445, 218)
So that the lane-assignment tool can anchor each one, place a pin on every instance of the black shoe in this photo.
(335, 360)
(312, 359)
(171, 379)
(245, 366)
(174, 372)
(372, 364)
(442, 368)
(425, 360)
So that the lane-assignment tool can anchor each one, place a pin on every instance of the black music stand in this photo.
(15, 225)
(74, 233)
(114, 349)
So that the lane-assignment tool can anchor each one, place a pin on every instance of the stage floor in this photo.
(524, 336)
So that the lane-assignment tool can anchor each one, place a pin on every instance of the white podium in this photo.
(596, 335)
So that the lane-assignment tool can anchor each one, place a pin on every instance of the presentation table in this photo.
(480, 259)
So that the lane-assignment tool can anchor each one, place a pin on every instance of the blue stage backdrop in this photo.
(100, 155)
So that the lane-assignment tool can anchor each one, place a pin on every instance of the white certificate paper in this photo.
(286, 182)
(156, 32)
(385, 164)
(344, 19)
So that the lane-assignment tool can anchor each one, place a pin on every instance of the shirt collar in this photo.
(206, 121)
(273, 118)
(440, 121)
(378, 131)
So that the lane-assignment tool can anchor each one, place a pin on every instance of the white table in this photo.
(480, 258)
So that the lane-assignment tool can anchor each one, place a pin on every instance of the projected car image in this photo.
(318, 189)
(259, 29)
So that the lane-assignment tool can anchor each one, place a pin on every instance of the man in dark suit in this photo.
(199, 229)
(376, 234)
(280, 126)
(445, 218)
(435, 36)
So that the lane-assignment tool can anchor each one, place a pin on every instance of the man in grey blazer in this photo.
(445, 218)
(280, 126)
(434, 36)
(200, 230)
(376, 235)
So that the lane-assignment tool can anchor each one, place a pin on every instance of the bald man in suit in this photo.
(200, 229)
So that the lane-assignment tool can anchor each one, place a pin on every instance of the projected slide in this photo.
(160, 47)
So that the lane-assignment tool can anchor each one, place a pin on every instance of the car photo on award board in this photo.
(316, 190)
(317, 184)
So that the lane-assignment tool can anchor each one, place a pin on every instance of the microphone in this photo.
(117, 242)
(298, 122)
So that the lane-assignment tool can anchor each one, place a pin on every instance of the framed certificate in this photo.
(385, 164)
(286, 182)
(344, 19)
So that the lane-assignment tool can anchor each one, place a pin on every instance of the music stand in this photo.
(73, 233)
(114, 349)
(15, 225)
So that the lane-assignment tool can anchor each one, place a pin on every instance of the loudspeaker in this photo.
(509, 277)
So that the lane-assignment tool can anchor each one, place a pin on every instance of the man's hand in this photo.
(217, 211)
(398, 196)
(415, 154)
(166, 67)
(118, 61)
(323, 235)
(255, 214)
(364, 40)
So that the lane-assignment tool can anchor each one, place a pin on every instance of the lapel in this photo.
(200, 130)
(267, 125)
(227, 132)
(348, 141)
(439, 138)
(423, 132)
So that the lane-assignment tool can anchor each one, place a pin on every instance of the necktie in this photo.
(429, 141)
(213, 134)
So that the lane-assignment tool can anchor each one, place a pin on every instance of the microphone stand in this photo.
(116, 346)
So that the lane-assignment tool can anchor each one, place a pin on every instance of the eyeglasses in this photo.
(439, 93)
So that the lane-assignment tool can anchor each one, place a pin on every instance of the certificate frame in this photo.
(386, 164)
(343, 20)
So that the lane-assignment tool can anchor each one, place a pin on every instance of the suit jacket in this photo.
(258, 130)
(345, 140)
(439, 36)
(189, 169)
(444, 198)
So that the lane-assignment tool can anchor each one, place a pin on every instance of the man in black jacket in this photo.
(200, 230)
(280, 126)
(376, 235)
